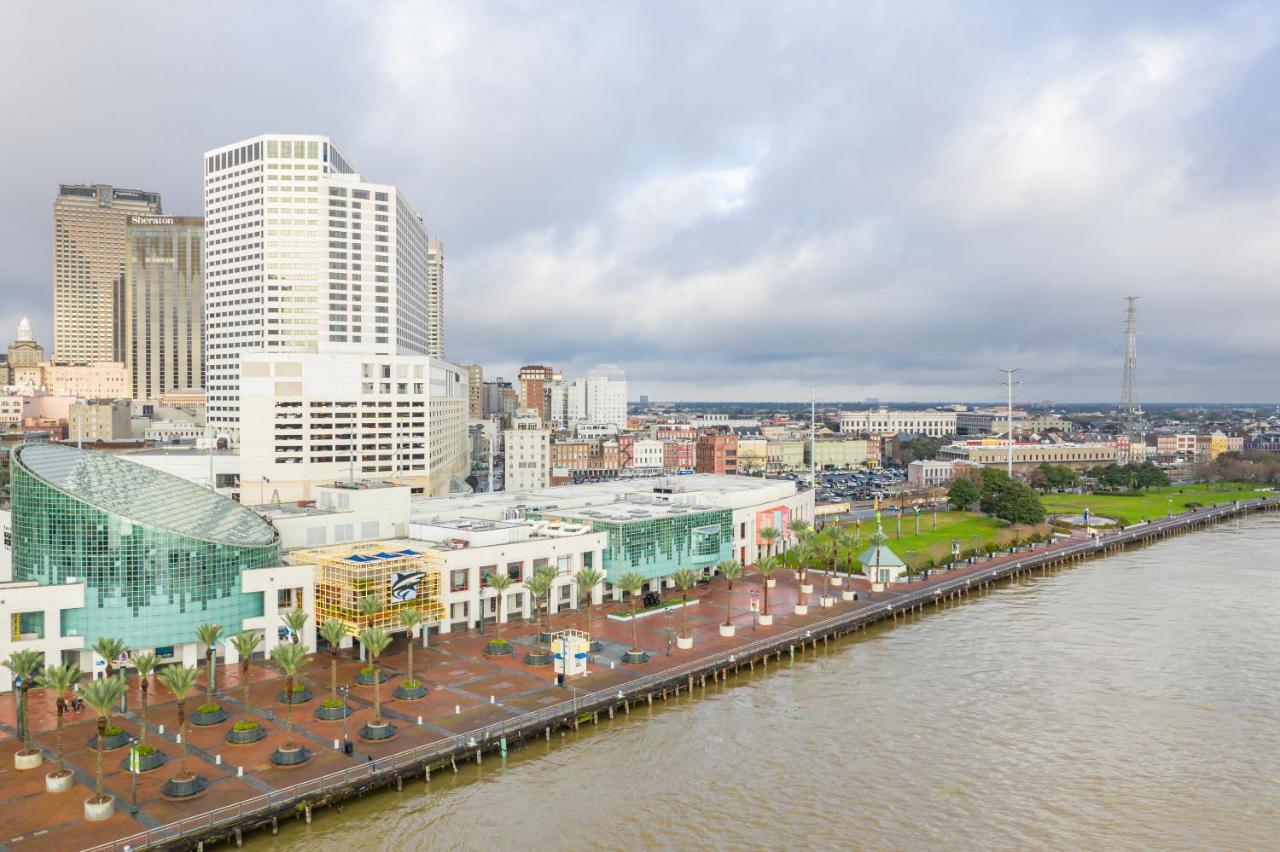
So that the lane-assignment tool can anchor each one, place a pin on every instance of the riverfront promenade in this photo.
(473, 700)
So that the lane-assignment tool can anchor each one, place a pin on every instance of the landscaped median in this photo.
(665, 606)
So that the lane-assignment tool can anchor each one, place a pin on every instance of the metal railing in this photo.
(225, 818)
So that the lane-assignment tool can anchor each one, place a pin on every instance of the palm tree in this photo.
(246, 642)
(827, 550)
(333, 632)
(368, 606)
(499, 582)
(60, 680)
(538, 585)
(25, 664)
(769, 535)
(375, 640)
(109, 649)
(209, 634)
(587, 580)
(180, 680)
(290, 658)
(632, 582)
(103, 695)
(731, 569)
(145, 663)
(686, 578)
(767, 566)
(295, 620)
(799, 528)
(411, 619)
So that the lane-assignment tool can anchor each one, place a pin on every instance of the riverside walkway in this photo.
(476, 704)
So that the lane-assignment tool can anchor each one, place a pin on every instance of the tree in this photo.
(25, 664)
(730, 569)
(375, 640)
(290, 658)
(103, 695)
(295, 620)
(1016, 503)
(587, 580)
(767, 566)
(632, 582)
(500, 582)
(60, 680)
(800, 556)
(918, 448)
(411, 619)
(246, 642)
(368, 607)
(180, 680)
(686, 578)
(208, 635)
(827, 550)
(963, 492)
(333, 632)
(109, 649)
(538, 585)
(768, 535)
(145, 663)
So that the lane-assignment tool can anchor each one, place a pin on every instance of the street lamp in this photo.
(134, 767)
(344, 691)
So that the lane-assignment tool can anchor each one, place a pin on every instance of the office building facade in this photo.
(89, 250)
(164, 304)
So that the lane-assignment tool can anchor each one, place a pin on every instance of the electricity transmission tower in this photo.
(1130, 408)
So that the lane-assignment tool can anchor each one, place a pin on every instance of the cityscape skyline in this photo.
(1025, 199)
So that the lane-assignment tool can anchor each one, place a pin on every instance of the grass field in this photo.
(1157, 502)
(951, 525)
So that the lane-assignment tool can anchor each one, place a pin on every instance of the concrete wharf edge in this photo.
(231, 822)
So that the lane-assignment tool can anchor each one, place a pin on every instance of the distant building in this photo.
(527, 445)
(163, 315)
(435, 297)
(89, 421)
(717, 453)
(89, 251)
(840, 453)
(24, 354)
(531, 384)
(930, 472)
(1027, 457)
(475, 390)
(883, 421)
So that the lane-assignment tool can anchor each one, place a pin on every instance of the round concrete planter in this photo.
(848, 595)
(635, 656)
(727, 629)
(146, 762)
(538, 657)
(332, 714)
(204, 720)
(801, 609)
(499, 649)
(369, 678)
(837, 580)
(806, 588)
(95, 811)
(35, 757)
(300, 696)
(684, 643)
(295, 756)
(110, 742)
(252, 735)
(766, 620)
(826, 601)
(771, 583)
(877, 587)
(410, 693)
(59, 782)
(595, 647)
(184, 787)
(385, 731)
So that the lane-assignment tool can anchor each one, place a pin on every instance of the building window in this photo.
(458, 580)
(514, 571)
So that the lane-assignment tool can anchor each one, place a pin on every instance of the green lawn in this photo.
(951, 525)
(1132, 508)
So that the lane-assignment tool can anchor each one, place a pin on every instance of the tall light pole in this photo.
(813, 439)
(1008, 383)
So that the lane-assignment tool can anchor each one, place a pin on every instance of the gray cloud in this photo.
(885, 199)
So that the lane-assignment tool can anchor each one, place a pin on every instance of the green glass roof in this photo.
(145, 495)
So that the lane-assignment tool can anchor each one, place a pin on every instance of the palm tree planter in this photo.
(247, 730)
(291, 659)
(333, 708)
(25, 664)
(375, 641)
(369, 675)
(300, 695)
(686, 579)
(210, 712)
(498, 646)
(587, 579)
(59, 680)
(766, 566)
(410, 689)
(112, 737)
(632, 582)
(180, 680)
(731, 570)
(538, 585)
(102, 695)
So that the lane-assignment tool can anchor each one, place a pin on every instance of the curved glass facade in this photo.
(148, 584)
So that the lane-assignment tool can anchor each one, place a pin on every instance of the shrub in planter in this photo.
(411, 684)
(245, 725)
(331, 703)
(146, 750)
(112, 731)
(209, 708)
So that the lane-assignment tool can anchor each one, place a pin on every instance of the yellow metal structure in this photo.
(396, 576)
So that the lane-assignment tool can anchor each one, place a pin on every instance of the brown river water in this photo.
(1132, 702)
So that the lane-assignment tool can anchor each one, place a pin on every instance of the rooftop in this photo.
(143, 494)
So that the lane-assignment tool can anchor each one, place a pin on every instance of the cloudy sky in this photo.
(731, 200)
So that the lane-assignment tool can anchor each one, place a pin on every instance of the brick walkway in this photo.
(467, 690)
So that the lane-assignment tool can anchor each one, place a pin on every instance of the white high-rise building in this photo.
(527, 450)
(600, 398)
(435, 297)
(304, 255)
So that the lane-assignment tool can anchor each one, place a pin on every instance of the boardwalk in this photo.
(474, 703)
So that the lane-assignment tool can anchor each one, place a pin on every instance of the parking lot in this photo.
(837, 486)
